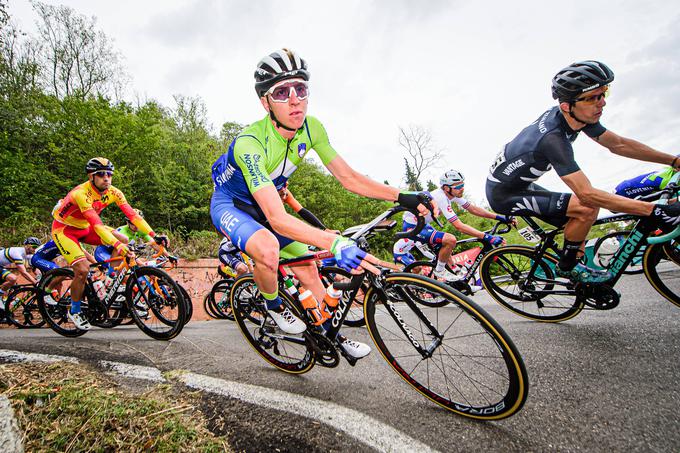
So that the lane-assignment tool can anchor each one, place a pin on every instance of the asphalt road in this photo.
(603, 381)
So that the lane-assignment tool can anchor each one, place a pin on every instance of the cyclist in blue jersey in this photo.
(580, 90)
(246, 207)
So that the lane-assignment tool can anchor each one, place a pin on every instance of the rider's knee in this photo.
(80, 269)
(449, 240)
(266, 251)
(11, 279)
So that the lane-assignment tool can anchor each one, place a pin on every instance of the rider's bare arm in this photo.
(285, 224)
(466, 229)
(633, 149)
(588, 195)
(24, 273)
(360, 184)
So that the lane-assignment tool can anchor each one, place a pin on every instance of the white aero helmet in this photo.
(451, 178)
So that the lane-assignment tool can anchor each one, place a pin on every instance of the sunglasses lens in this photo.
(101, 174)
(281, 93)
(301, 90)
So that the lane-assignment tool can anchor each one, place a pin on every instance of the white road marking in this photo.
(373, 433)
(146, 373)
(16, 356)
(367, 430)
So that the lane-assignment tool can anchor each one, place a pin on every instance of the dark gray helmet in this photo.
(277, 66)
(580, 77)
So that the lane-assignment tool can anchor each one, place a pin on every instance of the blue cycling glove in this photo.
(347, 254)
(493, 240)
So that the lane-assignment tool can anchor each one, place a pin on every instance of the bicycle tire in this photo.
(504, 275)
(355, 317)
(662, 269)
(188, 302)
(56, 315)
(22, 308)
(165, 306)
(621, 236)
(426, 269)
(206, 307)
(475, 371)
(219, 301)
(288, 353)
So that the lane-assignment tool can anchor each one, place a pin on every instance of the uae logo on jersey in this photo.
(302, 149)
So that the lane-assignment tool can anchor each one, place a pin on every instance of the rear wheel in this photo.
(661, 264)
(505, 274)
(188, 302)
(22, 307)
(56, 316)
(155, 302)
(425, 268)
(456, 355)
(289, 353)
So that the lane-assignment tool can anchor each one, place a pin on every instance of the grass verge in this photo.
(71, 407)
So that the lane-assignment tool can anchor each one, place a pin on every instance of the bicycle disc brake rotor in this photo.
(599, 297)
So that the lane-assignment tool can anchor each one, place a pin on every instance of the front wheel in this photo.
(155, 303)
(507, 277)
(456, 355)
(661, 264)
(289, 353)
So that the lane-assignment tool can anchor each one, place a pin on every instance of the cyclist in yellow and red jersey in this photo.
(76, 220)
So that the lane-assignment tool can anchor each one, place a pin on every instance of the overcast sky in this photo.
(473, 73)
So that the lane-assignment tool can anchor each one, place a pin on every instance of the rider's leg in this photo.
(308, 274)
(263, 248)
(10, 279)
(80, 269)
(581, 219)
(448, 243)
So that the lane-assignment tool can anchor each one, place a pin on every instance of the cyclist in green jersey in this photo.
(247, 208)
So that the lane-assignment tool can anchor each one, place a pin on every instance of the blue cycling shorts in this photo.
(427, 235)
(239, 226)
(40, 262)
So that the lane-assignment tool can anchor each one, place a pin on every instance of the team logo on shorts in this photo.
(302, 149)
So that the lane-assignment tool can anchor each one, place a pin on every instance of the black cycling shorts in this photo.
(532, 201)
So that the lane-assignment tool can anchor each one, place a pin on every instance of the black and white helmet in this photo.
(98, 164)
(580, 77)
(451, 178)
(277, 66)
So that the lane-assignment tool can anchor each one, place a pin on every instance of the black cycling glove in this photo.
(667, 216)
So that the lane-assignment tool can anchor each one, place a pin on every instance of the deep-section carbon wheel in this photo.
(455, 355)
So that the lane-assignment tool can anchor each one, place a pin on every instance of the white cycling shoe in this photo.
(447, 276)
(49, 300)
(475, 288)
(354, 348)
(79, 320)
(287, 321)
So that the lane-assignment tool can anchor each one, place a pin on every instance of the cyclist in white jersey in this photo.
(452, 186)
(16, 256)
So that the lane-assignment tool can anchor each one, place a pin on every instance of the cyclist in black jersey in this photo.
(546, 143)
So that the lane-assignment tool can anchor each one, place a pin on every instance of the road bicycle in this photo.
(147, 294)
(523, 279)
(457, 356)
(21, 307)
(466, 262)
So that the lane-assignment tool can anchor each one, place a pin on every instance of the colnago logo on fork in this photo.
(402, 323)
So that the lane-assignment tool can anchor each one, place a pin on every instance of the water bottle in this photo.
(332, 297)
(606, 251)
(317, 314)
(99, 288)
